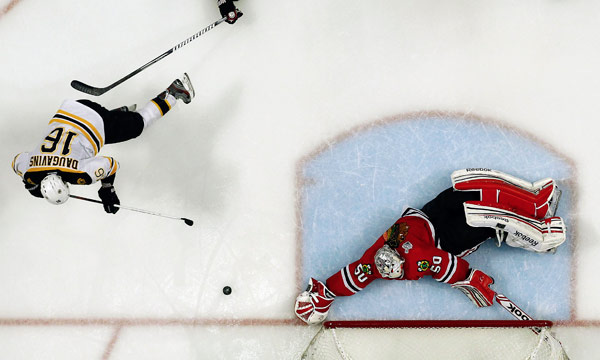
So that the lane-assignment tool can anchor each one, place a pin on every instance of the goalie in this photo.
(432, 241)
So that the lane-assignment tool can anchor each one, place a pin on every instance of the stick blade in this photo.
(78, 85)
(188, 222)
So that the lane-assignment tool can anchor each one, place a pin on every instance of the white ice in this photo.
(285, 80)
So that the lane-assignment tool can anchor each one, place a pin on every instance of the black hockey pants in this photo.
(119, 125)
(447, 215)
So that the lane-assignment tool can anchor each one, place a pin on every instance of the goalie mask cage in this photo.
(435, 339)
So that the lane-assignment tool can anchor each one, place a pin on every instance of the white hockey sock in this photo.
(156, 108)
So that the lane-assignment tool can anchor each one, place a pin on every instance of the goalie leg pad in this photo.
(516, 230)
(538, 200)
(312, 305)
(475, 174)
(477, 288)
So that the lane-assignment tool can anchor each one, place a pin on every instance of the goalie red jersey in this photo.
(413, 236)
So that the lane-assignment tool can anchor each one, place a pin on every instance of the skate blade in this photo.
(187, 83)
(554, 204)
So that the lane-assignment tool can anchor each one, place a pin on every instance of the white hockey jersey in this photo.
(75, 136)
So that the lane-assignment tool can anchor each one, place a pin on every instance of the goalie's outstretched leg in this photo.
(516, 230)
(538, 200)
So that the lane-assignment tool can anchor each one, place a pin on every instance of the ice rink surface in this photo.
(292, 89)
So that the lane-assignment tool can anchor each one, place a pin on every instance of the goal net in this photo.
(435, 339)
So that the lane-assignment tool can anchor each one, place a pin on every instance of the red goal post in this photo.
(436, 339)
(437, 324)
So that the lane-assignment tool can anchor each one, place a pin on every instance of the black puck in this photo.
(227, 290)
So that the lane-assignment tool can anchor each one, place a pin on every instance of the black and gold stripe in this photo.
(14, 166)
(84, 126)
(114, 165)
(162, 105)
(54, 168)
(35, 176)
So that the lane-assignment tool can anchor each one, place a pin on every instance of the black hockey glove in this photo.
(229, 11)
(34, 190)
(109, 198)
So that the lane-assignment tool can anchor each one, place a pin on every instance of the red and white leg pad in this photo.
(312, 305)
(519, 231)
(537, 200)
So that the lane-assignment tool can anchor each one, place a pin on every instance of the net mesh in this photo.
(462, 341)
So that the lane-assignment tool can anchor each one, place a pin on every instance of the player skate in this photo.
(181, 89)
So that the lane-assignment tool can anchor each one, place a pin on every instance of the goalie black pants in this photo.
(452, 232)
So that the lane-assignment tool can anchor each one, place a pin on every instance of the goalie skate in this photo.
(553, 202)
(182, 89)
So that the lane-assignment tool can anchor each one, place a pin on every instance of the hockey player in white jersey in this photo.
(68, 154)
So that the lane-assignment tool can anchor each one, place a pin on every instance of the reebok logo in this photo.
(478, 169)
(517, 312)
(494, 217)
(525, 238)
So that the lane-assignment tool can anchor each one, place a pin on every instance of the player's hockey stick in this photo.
(187, 221)
(78, 85)
(518, 313)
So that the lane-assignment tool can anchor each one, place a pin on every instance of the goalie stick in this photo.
(519, 314)
(187, 221)
(78, 85)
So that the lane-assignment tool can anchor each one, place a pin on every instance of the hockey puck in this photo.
(227, 290)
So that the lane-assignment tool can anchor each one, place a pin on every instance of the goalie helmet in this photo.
(389, 262)
(54, 189)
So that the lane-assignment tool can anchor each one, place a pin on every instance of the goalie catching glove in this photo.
(477, 288)
(313, 304)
